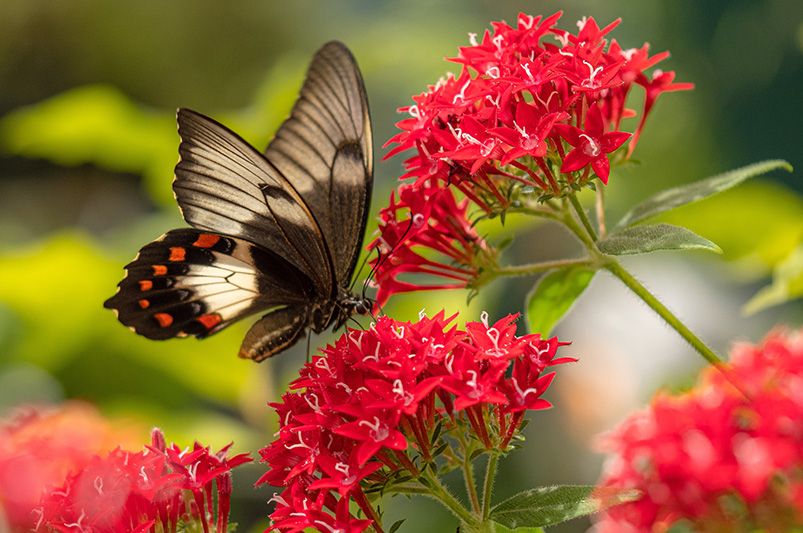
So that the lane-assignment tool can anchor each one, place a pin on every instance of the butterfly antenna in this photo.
(362, 265)
(381, 259)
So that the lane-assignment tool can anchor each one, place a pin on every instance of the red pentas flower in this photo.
(161, 486)
(385, 402)
(592, 146)
(422, 220)
(506, 119)
(714, 458)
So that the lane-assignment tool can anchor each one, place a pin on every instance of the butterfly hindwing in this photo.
(190, 282)
(275, 332)
(325, 148)
(224, 185)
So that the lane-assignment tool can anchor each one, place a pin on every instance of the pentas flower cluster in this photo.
(536, 112)
(381, 405)
(162, 488)
(427, 217)
(532, 97)
(714, 458)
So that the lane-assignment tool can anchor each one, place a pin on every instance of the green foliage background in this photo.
(88, 91)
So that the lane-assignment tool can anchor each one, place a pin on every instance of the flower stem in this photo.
(535, 268)
(599, 260)
(582, 216)
(471, 484)
(614, 267)
(468, 474)
(600, 206)
(488, 486)
(442, 494)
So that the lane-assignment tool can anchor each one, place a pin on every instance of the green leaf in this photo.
(546, 506)
(499, 528)
(652, 238)
(693, 192)
(553, 295)
(787, 284)
(396, 525)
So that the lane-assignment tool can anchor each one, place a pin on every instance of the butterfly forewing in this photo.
(222, 184)
(325, 149)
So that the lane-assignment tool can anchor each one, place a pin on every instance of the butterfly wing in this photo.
(325, 149)
(275, 332)
(190, 282)
(223, 185)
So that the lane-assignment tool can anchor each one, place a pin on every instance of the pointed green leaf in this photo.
(547, 506)
(787, 284)
(396, 525)
(652, 238)
(553, 295)
(693, 192)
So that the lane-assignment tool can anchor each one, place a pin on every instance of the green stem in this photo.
(600, 205)
(471, 485)
(581, 214)
(535, 268)
(442, 494)
(536, 211)
(614, 267)
(468, 474)
(488, 486)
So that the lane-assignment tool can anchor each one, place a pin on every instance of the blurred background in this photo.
(88, 92)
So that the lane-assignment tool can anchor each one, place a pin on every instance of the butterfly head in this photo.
(353, 305)
(363, 306)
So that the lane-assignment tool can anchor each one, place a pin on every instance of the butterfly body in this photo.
(276, 232)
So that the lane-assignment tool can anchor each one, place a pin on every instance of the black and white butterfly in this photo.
(278, 232)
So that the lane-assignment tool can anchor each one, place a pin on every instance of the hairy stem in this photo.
(600, 205)
(471, 485)
(442, 494)
(488, 486)
(468, 475)
(601, 260)
(543, 266)
(581, 214)
(616, 268)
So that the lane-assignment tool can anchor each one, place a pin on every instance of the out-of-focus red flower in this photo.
(160, 485)
(713, 456)
(368, 409)
(40, 446)
(500, 118)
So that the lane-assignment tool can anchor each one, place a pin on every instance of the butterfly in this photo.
(277, 232)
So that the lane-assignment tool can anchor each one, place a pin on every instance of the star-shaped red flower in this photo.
(592, 146)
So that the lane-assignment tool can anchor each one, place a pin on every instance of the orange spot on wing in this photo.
(144, 304)
(177, 253)
(206, 240)
(210, 321)
(164, 319)
(159, 270)
(145, 285)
